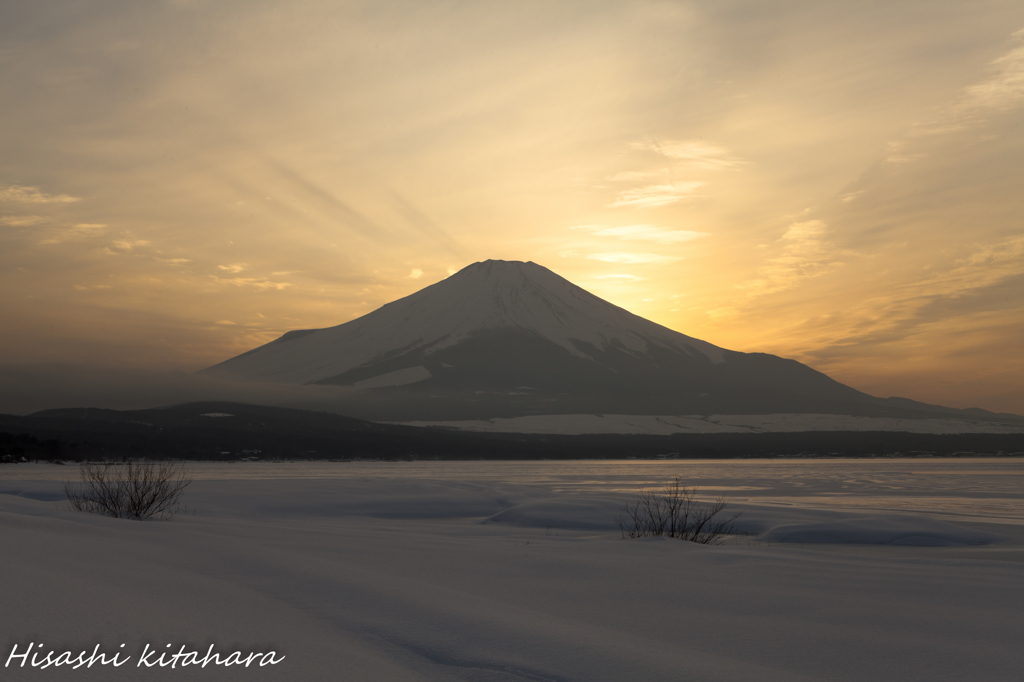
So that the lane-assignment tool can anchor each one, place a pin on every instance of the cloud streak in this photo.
(125, 246)
(33, 195)
(805, 253)
(21, 220)
(974, 286)
(649, 233)
(1002, 90)
(653, 196)
(624, 278)
(631, 258)
(255, 283)
(692, 154)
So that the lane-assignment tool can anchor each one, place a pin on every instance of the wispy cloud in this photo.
(33, 195)
(805, 254)
(659, 186)
(622, 257)
(21, 220)
(627, 278)
(650, 233)
(984, 281)
(255, 283)
(988, 264)
(637, 176)
(82, 230)
(234, 268)
(898, 154)
(122, 246)
(656, 195)
(692, 153)
(416, 273)
(1002, 90)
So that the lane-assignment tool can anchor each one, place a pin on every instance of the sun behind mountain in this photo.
(508, 338)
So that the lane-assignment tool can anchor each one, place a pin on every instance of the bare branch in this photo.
(676, 514)
(133, 490)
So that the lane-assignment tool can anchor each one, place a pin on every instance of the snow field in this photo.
(412, 578)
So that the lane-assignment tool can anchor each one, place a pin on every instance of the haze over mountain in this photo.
(510, 338)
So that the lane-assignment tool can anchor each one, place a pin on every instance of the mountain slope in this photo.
(506, 338)
(492, 296)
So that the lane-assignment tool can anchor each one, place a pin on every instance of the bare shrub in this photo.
(676, 514)
(133, 490)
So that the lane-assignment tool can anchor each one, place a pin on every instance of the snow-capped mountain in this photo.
(507, 338)
(492, 297)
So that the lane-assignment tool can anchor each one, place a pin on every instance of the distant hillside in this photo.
(231, 431)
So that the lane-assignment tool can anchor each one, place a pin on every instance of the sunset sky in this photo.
(838, 183)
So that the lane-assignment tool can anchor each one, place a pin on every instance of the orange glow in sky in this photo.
(838, 183)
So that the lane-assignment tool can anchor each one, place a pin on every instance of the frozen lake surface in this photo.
(985, 489)
(881, 569)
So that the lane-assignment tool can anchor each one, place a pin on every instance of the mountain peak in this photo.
(511, 338)
(483, 298)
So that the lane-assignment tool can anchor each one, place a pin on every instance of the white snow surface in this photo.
(486, 296)
(580, 424)
(515, 571)
(871, 529)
